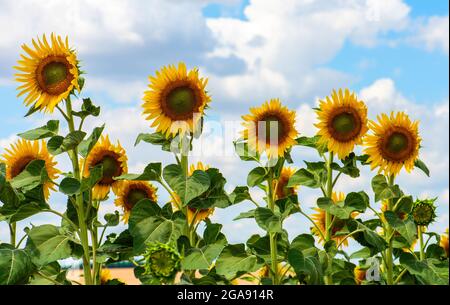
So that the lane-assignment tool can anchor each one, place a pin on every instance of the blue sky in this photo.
(394, 54)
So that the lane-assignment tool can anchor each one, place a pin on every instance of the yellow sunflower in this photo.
(49, 72)
(193, 214)
(105, 276)
(114, 162)
(320, 221)
(270, 128)
(174, 98)
(281, 189)
(342, 122)
(394, 143)
(444, 242)
(131, 192)
(360, 274)
(21, 153)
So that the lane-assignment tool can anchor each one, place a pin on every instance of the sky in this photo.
(393, 53)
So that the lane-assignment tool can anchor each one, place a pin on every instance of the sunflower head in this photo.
(270, 128)
(161, 261)
(423, 212)
(131, 192)
(338, 224)
(113, 160)
(360, 274)
(175, 100)
(21, 153)
(281, 189)
(105, 276)
(342, 122)
(48, 72)
(444, 242)
(394, 143)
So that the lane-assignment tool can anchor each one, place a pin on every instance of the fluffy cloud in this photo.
(433, 34)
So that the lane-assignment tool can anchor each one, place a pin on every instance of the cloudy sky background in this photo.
(392, 53)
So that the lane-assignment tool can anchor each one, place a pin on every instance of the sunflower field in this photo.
(176, 242)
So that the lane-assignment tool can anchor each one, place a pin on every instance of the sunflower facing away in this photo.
(49, 72)
(394, 143)
(21, 153)
(270, 128)
(114, 162)
(342, 122)
(174, 96)
(281, 189)
(131, 192)
(193, 214)
(320, 220)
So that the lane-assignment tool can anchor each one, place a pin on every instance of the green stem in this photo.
(73, 154)
(272, 236)
(12, 233)
(422, 248)
(389, 235)
(328, 216)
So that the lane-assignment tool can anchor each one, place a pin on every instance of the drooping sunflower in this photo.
(193, 214)
(176, 99)
(342, 122)
(281, 189)
(320, 221)
(49, 72)
(270, 128)
(360, 274)
(394, 143)
(114, 161)
(131, 192)
(22, 152)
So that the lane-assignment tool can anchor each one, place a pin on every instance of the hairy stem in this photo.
(272, 236)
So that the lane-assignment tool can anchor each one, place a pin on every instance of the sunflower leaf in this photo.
(33, 175)
(15, 265)
(48, 130)
(58, 144)
(86, 146)
(152, 172)
(421, 165)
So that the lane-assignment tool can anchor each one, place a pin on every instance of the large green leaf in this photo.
(406, 228)
(256, 176)
(23, 211)
(58, 144)
(267, 220)
(48, 244)
(87, 108)
(383, 190)
(234, 259)
(305, 177)
(69, 186)
(202, 258)
(146, 224)
(343, 210)
(239, 194)
(152, 172)
(33, 175)
(15, 265)
(48, 130)
(187, 188)
(429, 271)
(307, 268)
(86, 145)
(156, 138)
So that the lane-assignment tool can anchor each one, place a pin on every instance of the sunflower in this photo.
(270, 128)
(193, 214)
(49, 73)
(424, 212)
(114, 162)
(105, 276)
(174, 98)
(21, 153)
(444, 242)
(342, 122)
(360, 274)
(394, 143)
(320, 221)
(131, 192)
(281, 189)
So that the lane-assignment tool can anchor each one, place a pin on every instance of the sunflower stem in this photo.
(272, 236)
(12, 233)
(422, 248)
(73, 154)
(328, 217)
(388, 236)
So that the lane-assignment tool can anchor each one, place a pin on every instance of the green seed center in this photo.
(181, 100)
(110, 166)
(272, 126)
(54, 73)
(397, 142)
(344, 123)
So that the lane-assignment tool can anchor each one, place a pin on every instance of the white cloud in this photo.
(433, 34)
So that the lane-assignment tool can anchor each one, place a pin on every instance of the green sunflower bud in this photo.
(423, 212)
(161, 261)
